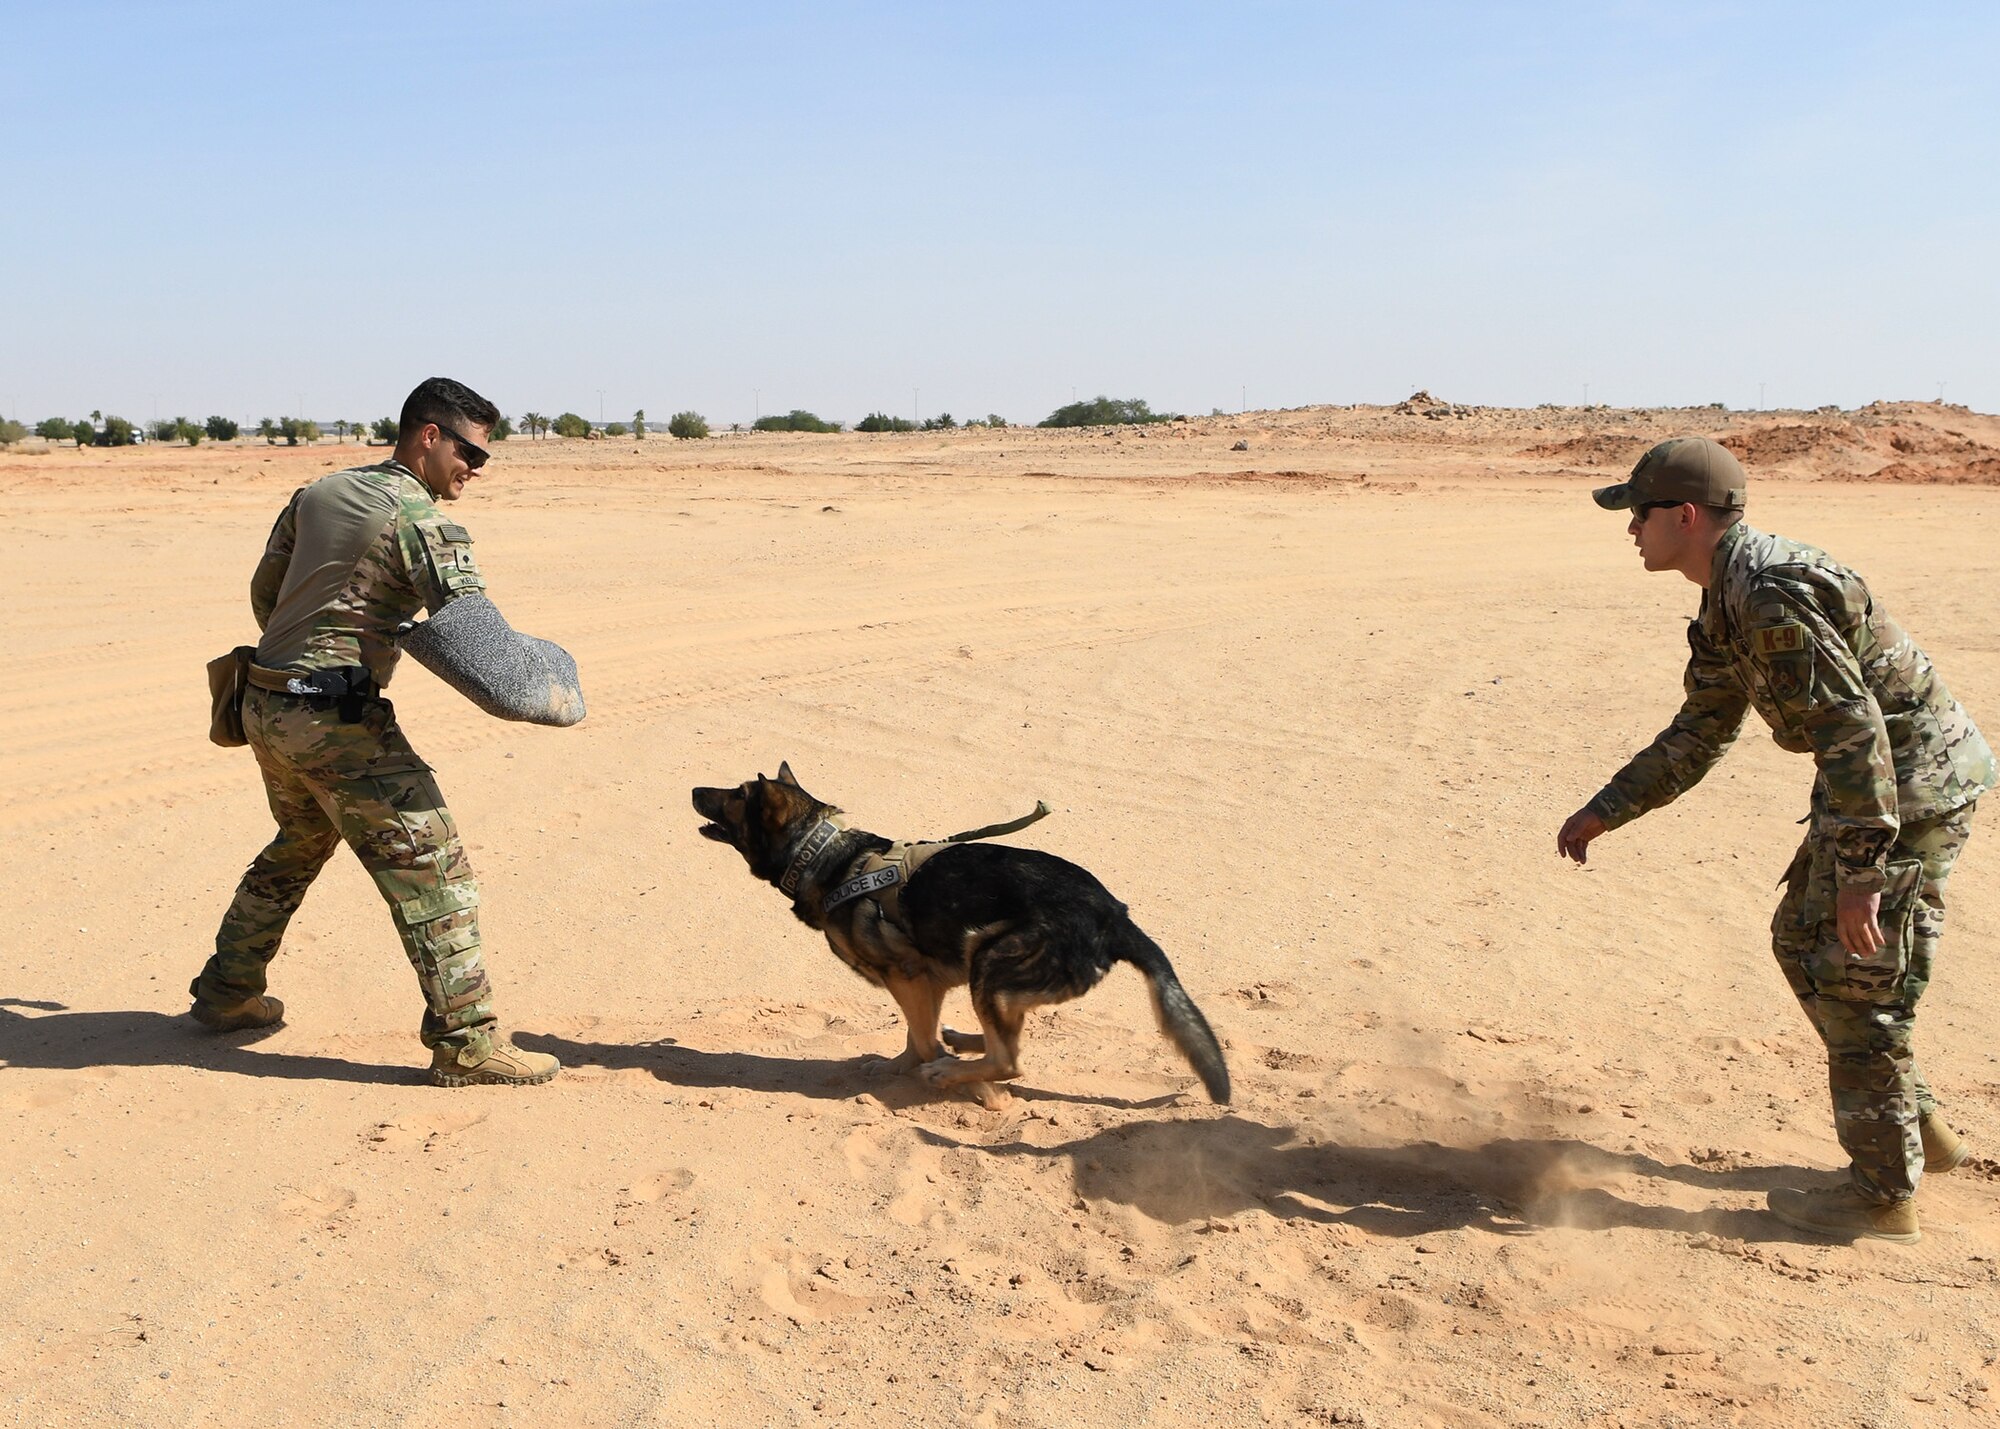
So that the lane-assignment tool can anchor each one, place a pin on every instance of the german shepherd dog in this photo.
(1023, 928)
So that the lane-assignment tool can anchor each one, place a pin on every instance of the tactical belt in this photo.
(345, 689)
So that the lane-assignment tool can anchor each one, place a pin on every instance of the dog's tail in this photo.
(1179, 1018)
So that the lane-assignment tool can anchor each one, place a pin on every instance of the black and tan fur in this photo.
(1021, 928)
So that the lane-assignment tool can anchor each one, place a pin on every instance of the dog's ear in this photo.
(785, 775)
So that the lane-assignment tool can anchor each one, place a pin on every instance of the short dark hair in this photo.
(441, 400)
(1724, 516)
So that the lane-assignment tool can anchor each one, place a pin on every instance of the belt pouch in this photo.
(228, 677)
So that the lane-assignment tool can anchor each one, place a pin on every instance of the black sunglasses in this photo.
(1644, 507)
(475, 456)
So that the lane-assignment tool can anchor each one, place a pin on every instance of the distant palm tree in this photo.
(535, 423)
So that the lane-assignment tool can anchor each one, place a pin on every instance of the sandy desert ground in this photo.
(1313, 708)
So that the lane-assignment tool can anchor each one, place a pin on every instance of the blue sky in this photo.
(245, 209)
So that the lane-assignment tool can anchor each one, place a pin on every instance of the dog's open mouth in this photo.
(713, 805)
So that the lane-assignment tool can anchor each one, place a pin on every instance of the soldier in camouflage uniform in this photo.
(1785, 629)
(353, 556)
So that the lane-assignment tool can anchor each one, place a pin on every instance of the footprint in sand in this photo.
(1279, 1060)
(320, 1205)
(1266, 996)
(862, 1148)
(52, 1093)
(657, 1187)
(791, 1288)
(922, 1190)
(424, 1131)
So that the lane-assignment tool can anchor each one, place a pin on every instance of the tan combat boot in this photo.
(1845, 1214)
(250, 1012)
(1944, 1150)
(491, 1059)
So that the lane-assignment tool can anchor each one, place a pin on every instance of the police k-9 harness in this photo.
(881, 876)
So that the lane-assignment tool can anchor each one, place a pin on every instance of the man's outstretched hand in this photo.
(1577, 832)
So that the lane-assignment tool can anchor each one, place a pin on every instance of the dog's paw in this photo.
(904, 1061)
(938, 1072)
(991, 1095)
(963, 1041)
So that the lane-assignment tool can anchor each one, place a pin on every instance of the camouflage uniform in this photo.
(1785, 629)
(331, 778)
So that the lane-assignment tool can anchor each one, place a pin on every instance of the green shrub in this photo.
(166, 430)
(221, 429)
(883, 422)
(85, 435)
(570, 425)
(55, 429)
(502, 430)
(383, 429)
(11, 431)
(1104, 412)
(687, 425)
(639, 423)
(794, 421)
(617, 429)
(117, 433)
(942, 422)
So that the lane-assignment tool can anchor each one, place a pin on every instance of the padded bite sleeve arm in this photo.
(470, 646)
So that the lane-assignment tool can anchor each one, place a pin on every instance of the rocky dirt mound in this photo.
(1607, 449)
(1422, 404)
(1900, 441)
(1984, 471)
(1823, 448)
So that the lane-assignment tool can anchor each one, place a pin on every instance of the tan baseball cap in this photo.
(1681, 469)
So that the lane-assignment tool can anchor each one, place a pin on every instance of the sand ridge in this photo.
(1314, 709)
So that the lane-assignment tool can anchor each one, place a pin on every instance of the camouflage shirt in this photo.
(353, 556)
(1786, 629)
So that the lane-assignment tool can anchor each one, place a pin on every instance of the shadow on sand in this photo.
(1171, 1171)
(1182, 1171)
(827, 1078)
(57, 1039)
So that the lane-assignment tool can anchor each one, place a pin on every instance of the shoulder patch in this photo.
(453, 532)
(1787, 637)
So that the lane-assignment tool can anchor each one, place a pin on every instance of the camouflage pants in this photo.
(1865, 1010)
(361, 782)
